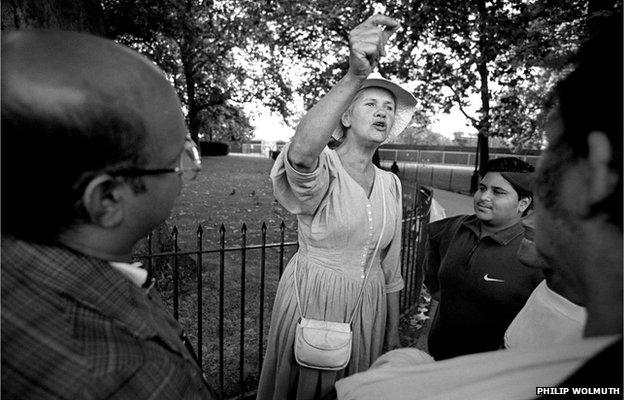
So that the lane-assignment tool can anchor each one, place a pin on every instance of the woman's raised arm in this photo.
(366, 45)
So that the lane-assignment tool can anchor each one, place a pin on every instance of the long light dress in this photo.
(338, 229)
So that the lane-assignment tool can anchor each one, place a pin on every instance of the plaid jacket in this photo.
(75, 328)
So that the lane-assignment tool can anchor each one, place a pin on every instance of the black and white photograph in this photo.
(311, 200)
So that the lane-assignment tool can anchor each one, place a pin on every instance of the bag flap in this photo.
(331, 326)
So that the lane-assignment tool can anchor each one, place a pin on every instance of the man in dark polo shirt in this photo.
(472, 266)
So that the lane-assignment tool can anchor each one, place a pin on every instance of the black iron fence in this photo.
(223, 296)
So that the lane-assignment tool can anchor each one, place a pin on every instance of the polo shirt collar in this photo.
(502, 237)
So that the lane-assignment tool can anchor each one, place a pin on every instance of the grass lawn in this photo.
(234, 190)
(231, 190)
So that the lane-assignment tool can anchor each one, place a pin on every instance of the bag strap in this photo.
(359, 300)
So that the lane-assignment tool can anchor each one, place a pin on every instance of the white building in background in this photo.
(263, 148)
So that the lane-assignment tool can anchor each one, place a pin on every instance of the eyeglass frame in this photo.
(190, 148)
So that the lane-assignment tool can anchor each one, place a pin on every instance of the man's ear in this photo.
(523, 204)
(103, 201)
(346, 119)
(602, 180)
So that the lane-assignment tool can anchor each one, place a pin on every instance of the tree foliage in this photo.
(85, 16)
(504, 55)
(316, 34)
(202, 46)
(415, 134)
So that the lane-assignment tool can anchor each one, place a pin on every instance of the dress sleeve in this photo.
(391, 255)
(298, 192)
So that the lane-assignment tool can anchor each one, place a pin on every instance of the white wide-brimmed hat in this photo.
(405, 104)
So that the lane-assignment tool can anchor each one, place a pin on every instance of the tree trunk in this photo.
(192, 114)
(188, 65)
(484, 53)
(69, 15)
(484, 151)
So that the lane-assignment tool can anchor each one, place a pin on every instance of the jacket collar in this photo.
(502, 237)
(97, 285)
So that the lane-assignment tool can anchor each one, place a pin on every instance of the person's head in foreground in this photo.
(379, 111)
(92, 135)
(504, 194)
(578, 213)
(94, 150)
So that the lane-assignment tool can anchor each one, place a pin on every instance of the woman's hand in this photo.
(367, 43)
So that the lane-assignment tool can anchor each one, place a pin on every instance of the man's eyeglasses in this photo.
(190, 165)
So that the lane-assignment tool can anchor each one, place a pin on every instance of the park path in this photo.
(453, 203)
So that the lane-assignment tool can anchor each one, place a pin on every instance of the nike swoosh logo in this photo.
(487, 278)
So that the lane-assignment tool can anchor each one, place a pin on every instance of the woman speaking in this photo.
(347, 269)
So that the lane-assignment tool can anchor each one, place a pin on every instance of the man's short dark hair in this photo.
(49, 156)
(590, 99)
(510, 164)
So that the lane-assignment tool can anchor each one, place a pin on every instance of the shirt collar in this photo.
(502, 237)
(132, 271)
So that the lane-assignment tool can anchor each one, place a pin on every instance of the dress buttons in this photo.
(370, 227)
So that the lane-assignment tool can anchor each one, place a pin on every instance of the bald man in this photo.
(94, 151)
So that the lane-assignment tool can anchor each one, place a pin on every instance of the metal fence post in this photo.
(262, 278)
(221, 308)
(450, 187)
(150, 268)
(431, 178)
(200, 315)
(176, 273)
(241, 365)
(403, 265)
